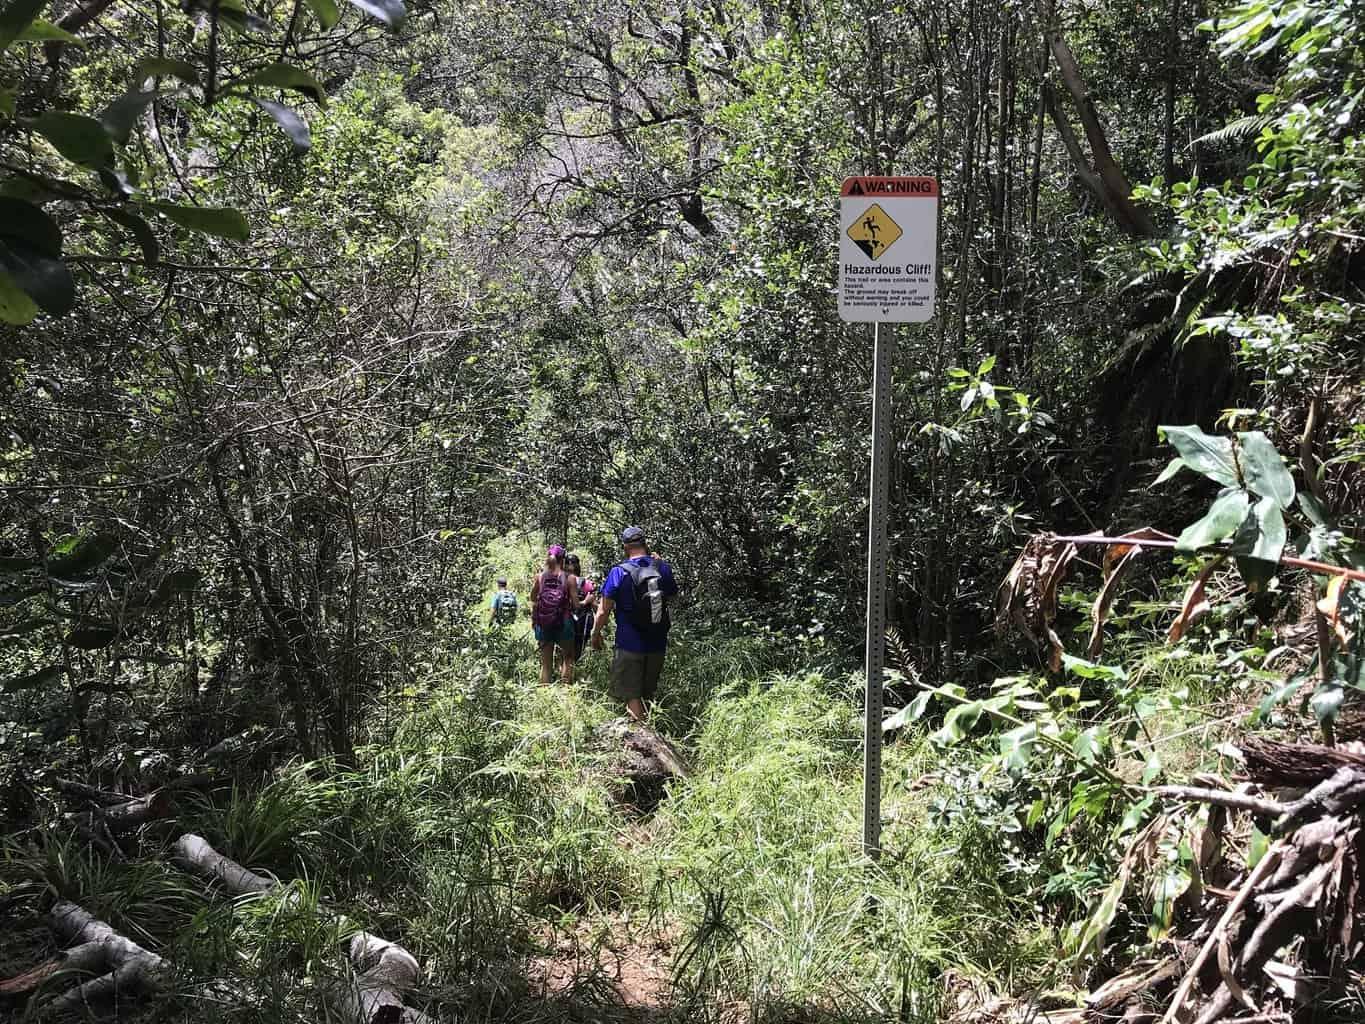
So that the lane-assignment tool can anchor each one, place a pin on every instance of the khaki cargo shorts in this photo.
(635, 674)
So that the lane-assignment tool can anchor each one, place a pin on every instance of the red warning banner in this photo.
(898, 188)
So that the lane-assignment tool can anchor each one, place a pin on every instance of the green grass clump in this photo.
(759, 856)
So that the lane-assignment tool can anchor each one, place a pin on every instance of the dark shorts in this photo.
(550, 637)
(634, 674)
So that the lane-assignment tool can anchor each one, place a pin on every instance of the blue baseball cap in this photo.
(632, 535)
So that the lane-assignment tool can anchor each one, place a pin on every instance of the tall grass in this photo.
(480, 826)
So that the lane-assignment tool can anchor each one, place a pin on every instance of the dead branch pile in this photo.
(1286, 934)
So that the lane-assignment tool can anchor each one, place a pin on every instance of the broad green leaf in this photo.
(1086, 746)
(1172, 468)
(1274, 698)
(1220, 522)
(1263, 469)
(325, 11)
(234, 14)
(40, 31)
(1017, 746)
(15, 305)
(958, 722)
(1090, 670)
(1269, 536)
(1259, 846)
(45, 280)
(121, 116)
(288, 119)
(1136, 814)
(1089, 799)
(1166, 889)
(223, 221)
(987, 365)
(1313, 509)
(390, 12)
(29, 224)
(92, 638)
(140, 230)
(164, 67)
(80, 139)
(32, 188)
(118, 182)
(287, 76)
(910, 713)
(1151, 769)
(1211, 456)
(15, 16)
(1326, 703)
(1097, 924)
(31, 681)
(76, 556)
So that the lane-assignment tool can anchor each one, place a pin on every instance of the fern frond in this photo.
(900, 656)
(1235, 133)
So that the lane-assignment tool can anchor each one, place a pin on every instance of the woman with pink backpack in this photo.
(554, 598)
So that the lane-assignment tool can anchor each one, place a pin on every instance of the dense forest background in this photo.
(316, 318)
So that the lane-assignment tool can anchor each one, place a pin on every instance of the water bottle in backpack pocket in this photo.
(649, 609)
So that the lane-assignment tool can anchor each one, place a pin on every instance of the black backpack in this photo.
(649, 610)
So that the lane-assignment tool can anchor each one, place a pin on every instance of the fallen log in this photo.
(120, 819)
(384, 972)
(1273, 764)
(96, 947)
(194, 854)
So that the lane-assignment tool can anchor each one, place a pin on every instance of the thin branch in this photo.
(1299, 563)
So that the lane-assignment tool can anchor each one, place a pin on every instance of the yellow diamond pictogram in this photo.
(874, 232)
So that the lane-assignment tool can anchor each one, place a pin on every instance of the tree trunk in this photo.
(1114, 184)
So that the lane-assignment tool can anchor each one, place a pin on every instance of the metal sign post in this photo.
(883, 355)
(888, 247)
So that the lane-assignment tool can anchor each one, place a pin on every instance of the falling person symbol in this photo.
(875, 232)
(872, 228)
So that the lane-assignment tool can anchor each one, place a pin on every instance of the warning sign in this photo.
(875, 232)
(888, 249)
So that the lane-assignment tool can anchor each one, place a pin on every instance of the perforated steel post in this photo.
(883, 354)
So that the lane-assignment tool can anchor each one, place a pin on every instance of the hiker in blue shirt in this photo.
(504, 607)
(638, 591)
